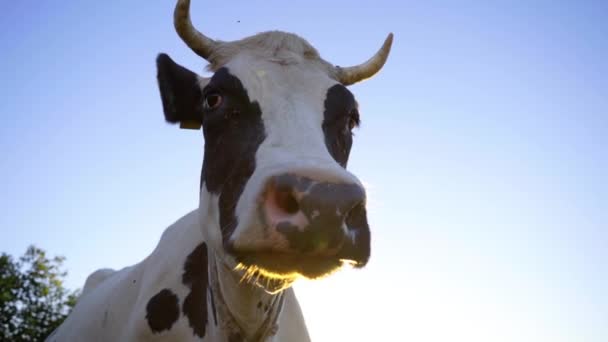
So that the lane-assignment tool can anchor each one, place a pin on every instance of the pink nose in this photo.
(311, 215)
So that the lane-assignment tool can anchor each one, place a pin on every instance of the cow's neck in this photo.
(244, 311)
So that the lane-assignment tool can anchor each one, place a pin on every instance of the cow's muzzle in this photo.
(315, 226)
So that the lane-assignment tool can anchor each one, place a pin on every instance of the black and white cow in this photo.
(276, 200)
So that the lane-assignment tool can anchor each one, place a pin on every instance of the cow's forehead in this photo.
(283, 83)
(290, 90)
(271, 45)
(291, 97)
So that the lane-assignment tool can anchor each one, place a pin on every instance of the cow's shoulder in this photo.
(164, 266)
(102, 307)
(165, 284)
(96, 278)
(184, 230)
(114, 304)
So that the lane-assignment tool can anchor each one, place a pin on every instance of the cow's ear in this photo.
(180, 92)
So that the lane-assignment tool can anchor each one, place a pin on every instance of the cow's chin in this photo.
(287, 266)
(277, 271)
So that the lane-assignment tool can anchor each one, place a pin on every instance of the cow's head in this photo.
(277, 122)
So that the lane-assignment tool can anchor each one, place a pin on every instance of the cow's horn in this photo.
(198, 42)
(354, 74)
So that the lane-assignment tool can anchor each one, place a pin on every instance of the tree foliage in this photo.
(33, 301)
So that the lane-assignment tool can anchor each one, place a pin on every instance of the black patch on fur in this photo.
(162, 311)
(233, 132)
(195, 277)
(180, 91)
(340, 111)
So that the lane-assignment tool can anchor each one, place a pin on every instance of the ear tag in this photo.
(261, 73)
(189, 124)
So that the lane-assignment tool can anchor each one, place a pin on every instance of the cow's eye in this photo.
(351, 123)
(212, 101)
(353, 119)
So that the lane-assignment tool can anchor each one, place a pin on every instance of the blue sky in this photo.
(484, 145)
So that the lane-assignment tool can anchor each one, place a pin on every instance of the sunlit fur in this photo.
(272, 282)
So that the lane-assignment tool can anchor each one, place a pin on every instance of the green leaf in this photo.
(33, 301)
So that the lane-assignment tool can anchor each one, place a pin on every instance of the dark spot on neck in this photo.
(162, 311)
(195, 277)
(235, 337)
(105, 318)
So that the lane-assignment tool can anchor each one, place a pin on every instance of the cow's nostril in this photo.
(356, 217)
(286, 201)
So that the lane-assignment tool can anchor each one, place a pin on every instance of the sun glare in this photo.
(430, 307)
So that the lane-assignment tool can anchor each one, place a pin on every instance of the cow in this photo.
(276, 200)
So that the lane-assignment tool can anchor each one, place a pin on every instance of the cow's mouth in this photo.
(282, 265)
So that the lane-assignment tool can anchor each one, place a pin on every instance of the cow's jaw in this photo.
(244, 312)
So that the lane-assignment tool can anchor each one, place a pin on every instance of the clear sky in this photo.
(484, 145)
